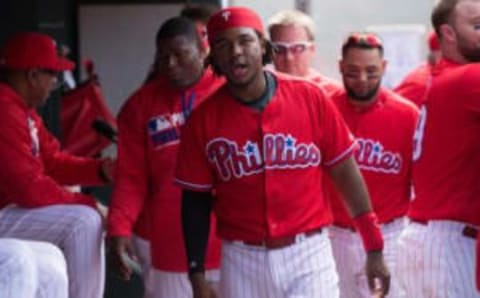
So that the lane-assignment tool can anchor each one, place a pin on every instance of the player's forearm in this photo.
(350, 184)
(196, 209)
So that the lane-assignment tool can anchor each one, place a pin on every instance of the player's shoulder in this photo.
(469, 74)
(212, 105)
(299, 88)
(398, 103)
(11, 103)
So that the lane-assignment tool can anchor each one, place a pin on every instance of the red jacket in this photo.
(33, 167)
(149, 135)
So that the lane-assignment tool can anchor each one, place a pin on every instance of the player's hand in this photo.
(108, 169)
(200, 286)
(377, 274)
(118, 248)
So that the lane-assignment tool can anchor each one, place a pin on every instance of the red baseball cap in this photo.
(233, 17)
(33, 50)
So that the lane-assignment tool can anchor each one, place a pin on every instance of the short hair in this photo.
(362, 40)
(442, 14)
(199, 12)
(295, 18)
(176, 26)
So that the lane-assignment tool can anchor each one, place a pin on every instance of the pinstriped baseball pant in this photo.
(158, 283)
(437, 261)
(32, 269)
(76, 230)
(350, 259)
(302, 270)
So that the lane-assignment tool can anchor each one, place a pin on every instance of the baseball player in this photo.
(32, 269)
(438, 245)
(263, 142)
(150, 123)
(292, 34)
(415, 84)
(34, 205)
(383, 124)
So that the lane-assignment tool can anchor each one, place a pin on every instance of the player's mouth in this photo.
(239, 70)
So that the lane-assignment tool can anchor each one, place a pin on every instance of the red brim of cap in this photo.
(64, 64)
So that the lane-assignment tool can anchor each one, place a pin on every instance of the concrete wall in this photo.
(120, 39)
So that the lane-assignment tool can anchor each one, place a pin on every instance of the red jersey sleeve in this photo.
(65, 168)
(337, 142)
(131, 181)
(24, 179)
(193, 170)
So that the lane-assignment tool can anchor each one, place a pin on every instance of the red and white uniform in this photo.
(34, 171)
(446, 208)
(330, 85)
(384, 134)
(149, 136)
(266, 169)
(415, 84)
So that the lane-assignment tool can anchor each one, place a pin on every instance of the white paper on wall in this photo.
(405, 48)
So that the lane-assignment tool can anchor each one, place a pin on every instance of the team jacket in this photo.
(33, 167)
(414, 86)
(266, 167)
(447, 146)
(384, 134)
(149, 136)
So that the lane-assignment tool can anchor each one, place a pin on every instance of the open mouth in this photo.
(239, 70)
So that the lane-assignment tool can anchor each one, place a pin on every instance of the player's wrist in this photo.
(195, 269)
(367, 227)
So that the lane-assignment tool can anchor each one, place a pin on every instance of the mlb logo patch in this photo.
(162, 131)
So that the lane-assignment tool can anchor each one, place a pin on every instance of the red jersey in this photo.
(266, 167)
(149, 136)
(384, 134)
(415, 84)
(34, 170)
(330, 85)
(447, 146)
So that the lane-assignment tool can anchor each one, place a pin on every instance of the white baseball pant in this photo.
(31, 269)
(177, 284)
(304, 269)
(158, 283)
(350, 258)
(437, 260)
(76, 230)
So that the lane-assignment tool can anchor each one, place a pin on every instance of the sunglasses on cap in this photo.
(364, 39)
(282, 48)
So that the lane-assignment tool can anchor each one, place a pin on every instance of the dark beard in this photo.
(368, 96)
(470, 54)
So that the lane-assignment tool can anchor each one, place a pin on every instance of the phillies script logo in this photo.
(372, 156)
(279, 152)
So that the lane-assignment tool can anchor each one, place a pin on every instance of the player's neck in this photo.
(251, 90)
(364, 103)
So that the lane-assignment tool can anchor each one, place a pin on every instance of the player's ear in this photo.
(448, 33)
(384, 65)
